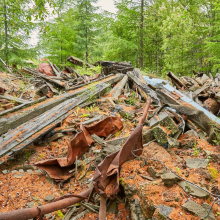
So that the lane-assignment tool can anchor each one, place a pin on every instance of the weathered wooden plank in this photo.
(77, 61)
(57, 73)
(14, 120)
(16, 108)
(138, 74)
(13, 98)
(27, 133)
(105, 79)
(47, 78)
(119, 87)
(144, 87)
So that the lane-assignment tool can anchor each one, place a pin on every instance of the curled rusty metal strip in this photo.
(107, 172)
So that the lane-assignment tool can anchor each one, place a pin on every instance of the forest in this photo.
(109, 114)
(155, 35)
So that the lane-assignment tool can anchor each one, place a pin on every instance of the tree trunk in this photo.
(141, 35)
(6, 34)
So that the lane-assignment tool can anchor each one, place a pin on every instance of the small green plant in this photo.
(216, 130)
(27, 154)
(118, 133)
(91, 108)
(131, 100)
(127, 116)
(217, 134)
(108, 89)
(84, 115)
(209, 158)
(178, 170)
(22, 86)
(77, 111)
(36, 199)
(161, 216)
(40, 156)
(217, 214)
(196, 150)
(60, 214)
(213, 172)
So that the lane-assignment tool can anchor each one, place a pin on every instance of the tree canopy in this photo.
(155, 35)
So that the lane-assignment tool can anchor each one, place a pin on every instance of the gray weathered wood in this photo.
(200, 90)
(93, 120)
(120, 86)
(19, 107)
(14, 120)
(13, 98)
(27, 133)
(57, 73)
(47, 78)
(144, 87)
(113, 80)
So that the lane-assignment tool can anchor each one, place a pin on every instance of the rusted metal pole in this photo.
(102, 209)
(145, 111)
(25, 214)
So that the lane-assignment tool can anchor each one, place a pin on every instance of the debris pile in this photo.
(203, 89)
(120, 146)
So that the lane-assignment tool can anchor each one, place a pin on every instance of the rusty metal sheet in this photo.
(2, 90)
(108, 170)
(58, 169)
(45, 69)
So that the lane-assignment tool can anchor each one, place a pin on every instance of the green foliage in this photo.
(131, 100)
(217, 134)
(196, 150)
(84, 115)
(178, 36)
(213, 172)
(217, 214)
(16, 24)
(77, 111)
(60, 214)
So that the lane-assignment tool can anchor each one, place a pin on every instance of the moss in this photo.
(160, 135)
(169, 124)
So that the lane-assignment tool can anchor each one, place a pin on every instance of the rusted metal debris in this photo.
(40, 211)
(2, 91)
(58, 169)
(106, 172)
(45, 69)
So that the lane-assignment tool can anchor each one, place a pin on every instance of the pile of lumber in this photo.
(201, 88)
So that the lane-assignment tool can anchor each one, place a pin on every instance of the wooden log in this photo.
(146, 89)
(120, 86)
(14, 99)
(77, 61)
(96, 80)
(54, 70)
(47, 78)
(138, 74)
(176, 80)
(14, 120)
(18, 139)
(78, 75)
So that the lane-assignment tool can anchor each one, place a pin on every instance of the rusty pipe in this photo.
(25, 214)
(145, 110)
(102, 209)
